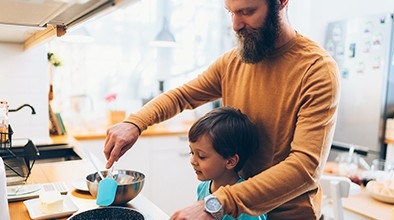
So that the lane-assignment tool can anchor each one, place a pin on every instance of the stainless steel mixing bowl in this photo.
(130, 184)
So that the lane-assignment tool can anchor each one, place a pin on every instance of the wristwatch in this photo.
(213, 206)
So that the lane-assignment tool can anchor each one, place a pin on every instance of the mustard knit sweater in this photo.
(292, 97)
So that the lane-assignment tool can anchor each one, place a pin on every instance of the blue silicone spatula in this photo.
(106, 187)
(106, 190)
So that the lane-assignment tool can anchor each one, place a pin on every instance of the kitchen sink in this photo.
(56, 152)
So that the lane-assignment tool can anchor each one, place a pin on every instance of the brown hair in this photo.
(230, 131)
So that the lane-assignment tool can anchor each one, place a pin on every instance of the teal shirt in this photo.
(203, 191)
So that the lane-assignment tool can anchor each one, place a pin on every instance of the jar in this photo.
(348, 164)
(3, 122)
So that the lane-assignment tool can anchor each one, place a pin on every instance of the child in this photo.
(220, 143)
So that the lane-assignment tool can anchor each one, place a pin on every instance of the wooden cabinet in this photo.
(170, 181)
(54, 18)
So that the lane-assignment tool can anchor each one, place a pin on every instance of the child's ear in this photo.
(232, 162)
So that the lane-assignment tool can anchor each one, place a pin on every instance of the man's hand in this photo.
(120, 138)
(193, 212)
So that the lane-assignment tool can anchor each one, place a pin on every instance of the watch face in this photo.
(213, 205)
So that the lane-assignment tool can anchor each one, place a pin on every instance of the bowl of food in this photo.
(382, 191)
(130, 184)
(112, 212)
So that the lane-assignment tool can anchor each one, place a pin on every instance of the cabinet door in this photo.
(96, 148)
(173, 178)
(136, 158)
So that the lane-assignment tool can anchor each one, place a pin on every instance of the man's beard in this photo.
(259, 43)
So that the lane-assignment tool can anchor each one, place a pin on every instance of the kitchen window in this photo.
(121, 60)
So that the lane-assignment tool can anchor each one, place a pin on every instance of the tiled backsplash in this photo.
(24, 79)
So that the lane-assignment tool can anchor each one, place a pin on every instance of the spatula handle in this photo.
(88, 154)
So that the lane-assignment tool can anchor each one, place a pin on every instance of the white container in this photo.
(347, 164)
(4, 213)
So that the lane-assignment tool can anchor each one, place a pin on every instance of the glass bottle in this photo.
(3, 122)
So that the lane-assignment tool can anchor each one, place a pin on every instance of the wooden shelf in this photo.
(389, 141)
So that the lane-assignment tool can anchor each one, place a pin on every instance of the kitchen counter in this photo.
(362, 203)
(155, 130)
(69, 171)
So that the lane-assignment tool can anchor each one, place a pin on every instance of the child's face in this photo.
(206, 162)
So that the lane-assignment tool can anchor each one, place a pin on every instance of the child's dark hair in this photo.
(230, 131)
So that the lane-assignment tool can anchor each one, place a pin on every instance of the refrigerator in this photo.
(363, 50)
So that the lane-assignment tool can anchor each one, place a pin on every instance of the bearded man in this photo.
(288, 86)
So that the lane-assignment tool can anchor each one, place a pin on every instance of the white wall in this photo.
(310, 17)
(24, 78)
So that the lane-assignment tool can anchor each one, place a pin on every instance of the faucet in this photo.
(33, 111)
